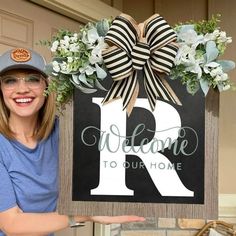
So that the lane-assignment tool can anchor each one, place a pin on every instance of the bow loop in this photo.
(148, 46)
(158, 33)
(117, 62)
(123, 32)
(162, 60)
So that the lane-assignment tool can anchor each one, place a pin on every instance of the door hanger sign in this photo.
(155, 157)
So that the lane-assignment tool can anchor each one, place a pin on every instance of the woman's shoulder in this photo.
(3, 141)
(4, 144)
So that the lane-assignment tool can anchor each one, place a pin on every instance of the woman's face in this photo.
(23, 92)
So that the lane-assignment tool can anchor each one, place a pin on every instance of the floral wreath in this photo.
(190, 53)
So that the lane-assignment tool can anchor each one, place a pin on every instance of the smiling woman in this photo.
(29, 151)
(23, 82)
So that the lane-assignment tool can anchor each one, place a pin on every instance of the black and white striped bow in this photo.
(148, 46)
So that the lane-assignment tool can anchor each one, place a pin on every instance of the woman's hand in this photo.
(116, 219)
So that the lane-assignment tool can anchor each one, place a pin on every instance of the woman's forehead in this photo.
(21, 72)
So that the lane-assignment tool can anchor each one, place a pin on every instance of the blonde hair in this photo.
(46, 118)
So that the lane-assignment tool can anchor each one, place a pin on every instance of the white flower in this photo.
(226, 87)
(69, 59)
(212, 36)
(64, 44)
(55, 66)
(190, 37)
(67, 38)
(224, 77)
(229, 40)
(96, 53)
(63, 66)
(88, 70)
(217, 78)
(54, 46)
(185, 55)
(73, 39)
(221, 77)
(216, 32)
(223, 38)
(95, 56)
(74, 47)
(210, 66)
(216, 71)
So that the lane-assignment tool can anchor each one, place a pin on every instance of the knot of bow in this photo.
(150, 47)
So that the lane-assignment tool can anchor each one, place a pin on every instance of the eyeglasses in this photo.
(32, 81)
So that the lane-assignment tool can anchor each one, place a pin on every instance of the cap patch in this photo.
(20, 55)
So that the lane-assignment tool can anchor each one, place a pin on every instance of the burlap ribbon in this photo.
(149, 46)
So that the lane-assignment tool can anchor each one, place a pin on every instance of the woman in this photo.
(29, 151)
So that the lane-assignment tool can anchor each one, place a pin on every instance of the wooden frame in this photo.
(208, 210)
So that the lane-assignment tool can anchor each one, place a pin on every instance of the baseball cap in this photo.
(22, 58)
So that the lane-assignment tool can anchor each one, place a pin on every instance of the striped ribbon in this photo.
(149, 46)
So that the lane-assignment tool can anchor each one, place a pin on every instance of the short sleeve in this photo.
(7, 194)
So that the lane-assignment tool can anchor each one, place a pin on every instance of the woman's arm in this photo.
(15, 222)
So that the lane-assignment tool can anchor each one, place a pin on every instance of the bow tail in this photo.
(156, 87)
(126, 89)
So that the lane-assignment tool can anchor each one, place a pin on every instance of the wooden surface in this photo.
(208, 210)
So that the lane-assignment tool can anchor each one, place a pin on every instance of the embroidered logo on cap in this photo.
(20, 55)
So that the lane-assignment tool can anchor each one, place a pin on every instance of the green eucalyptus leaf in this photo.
(102, 27)
(84, 89)
(83, 79)
(98, 85)
(59, 59)
(227, 65)
(49, 69)
(204, 86)
(211, 51)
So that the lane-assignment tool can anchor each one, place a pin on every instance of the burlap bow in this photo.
(148, 46)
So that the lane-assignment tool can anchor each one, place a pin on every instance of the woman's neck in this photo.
(24, 129)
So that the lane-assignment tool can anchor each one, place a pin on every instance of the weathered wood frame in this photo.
(208, 210)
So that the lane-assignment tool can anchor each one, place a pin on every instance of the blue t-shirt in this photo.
(29, 177)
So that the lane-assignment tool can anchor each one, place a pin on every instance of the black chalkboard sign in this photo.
(162, 163)
(148, 157)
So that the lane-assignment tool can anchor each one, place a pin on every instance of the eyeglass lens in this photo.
(31, 80)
